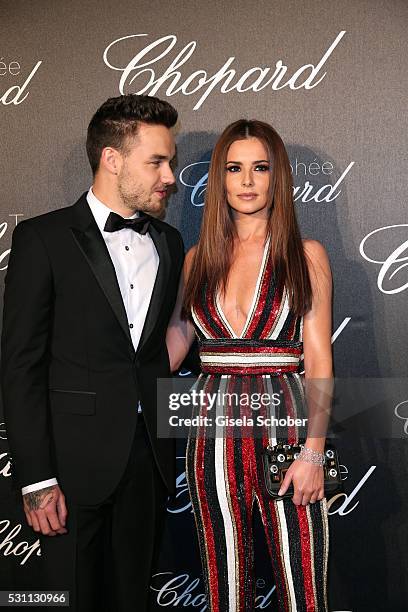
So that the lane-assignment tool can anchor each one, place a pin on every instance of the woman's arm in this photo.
(317, 329)
(317, 323)
(180, 333)
(307, 477)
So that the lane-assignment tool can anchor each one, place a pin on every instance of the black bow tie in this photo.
(115, 223)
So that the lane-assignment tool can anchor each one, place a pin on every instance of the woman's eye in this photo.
(233, 168)
(262, 167)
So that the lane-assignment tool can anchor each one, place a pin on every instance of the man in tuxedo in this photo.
(89, 292)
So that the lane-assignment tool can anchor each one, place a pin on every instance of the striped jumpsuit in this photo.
(224, 470)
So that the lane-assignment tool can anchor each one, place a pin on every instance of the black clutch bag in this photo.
(277, 459)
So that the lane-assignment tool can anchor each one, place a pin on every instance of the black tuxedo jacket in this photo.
(71, 379)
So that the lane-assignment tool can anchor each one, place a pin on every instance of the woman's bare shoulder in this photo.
(316, 258)
(314, 249)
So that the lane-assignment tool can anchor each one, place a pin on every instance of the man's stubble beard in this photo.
(135, 201)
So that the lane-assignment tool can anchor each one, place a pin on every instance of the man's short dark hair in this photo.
(119, 118)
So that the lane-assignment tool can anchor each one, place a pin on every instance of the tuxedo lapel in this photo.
(90, 241)
(153, 314)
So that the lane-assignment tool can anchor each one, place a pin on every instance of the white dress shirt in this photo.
(136, 262)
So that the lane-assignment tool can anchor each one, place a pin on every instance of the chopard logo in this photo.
(338, 504)
(5, 465)
(22, 549)
(392, 265)
(194, 176)
(181, 502)
(3, 229)
(139, 75)
(184, 591)
(398, 410)
(5, 461)
(16, 94)
(342, 507)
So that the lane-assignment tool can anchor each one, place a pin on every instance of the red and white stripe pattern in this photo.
(240, 357)
(225, 478)
(224, 469)
(270, 342)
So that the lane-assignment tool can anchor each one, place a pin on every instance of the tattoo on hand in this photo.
(39, 499)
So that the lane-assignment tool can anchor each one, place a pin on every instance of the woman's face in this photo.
(247, 176)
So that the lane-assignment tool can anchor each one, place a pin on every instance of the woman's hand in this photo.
(180, 333)
(308, 482)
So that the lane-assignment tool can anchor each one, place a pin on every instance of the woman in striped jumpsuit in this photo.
(257, 298)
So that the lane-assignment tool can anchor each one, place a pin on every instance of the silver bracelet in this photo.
(311, 456)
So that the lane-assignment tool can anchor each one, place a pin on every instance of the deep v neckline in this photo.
(254, 303)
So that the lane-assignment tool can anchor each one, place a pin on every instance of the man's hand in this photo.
(46, 511)
(308, 482)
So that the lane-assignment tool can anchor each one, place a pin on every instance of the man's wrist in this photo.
(36, 486)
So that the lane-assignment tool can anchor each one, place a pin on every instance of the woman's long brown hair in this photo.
(213, 257)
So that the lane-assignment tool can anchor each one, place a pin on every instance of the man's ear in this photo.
(111, 160)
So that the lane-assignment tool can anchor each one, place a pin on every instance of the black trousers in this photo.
(105, 560)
